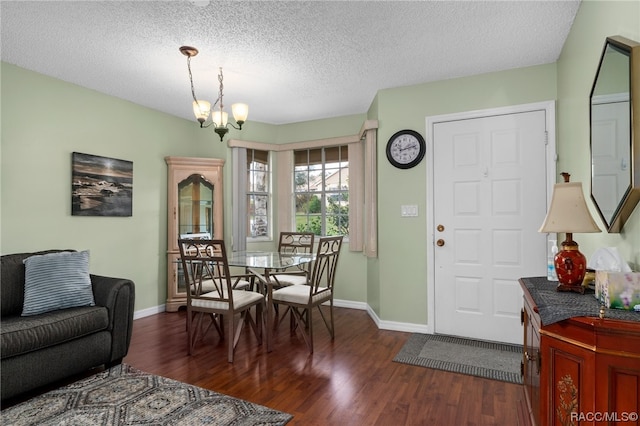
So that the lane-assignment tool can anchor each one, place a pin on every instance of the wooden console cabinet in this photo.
(531, 358)
(582, 370)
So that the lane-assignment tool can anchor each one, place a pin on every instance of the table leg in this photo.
(262, 281)
(269, 310)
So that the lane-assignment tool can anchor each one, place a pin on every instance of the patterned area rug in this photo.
(123, 395)
(490, 360)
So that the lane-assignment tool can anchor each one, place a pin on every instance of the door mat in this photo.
(497, 361)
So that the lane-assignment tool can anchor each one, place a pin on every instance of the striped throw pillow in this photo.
(56, 281)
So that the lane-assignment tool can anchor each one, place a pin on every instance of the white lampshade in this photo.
(568, 212)
(240, 112)
(219, 118)
(201, 110)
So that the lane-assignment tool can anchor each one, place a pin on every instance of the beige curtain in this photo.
(284, 202)
(239, 201)
(356, 196)
(370, 194)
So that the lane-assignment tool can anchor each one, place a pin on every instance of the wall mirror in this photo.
(615, 132)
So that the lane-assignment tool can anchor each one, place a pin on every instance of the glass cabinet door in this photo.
(195, 211)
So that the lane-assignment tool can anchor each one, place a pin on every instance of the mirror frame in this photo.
(630, 199)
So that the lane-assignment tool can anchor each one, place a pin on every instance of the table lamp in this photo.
(569, 213)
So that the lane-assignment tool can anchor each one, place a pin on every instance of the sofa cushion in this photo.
(12, 281)
(19, 335)
(56, 281)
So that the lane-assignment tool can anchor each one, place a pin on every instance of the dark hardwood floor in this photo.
(350, 381)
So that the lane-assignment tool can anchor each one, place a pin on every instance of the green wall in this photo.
(35, 179)
(397, 287)
(43, 121)
(577, 68)
(403, 241)
(320, 129)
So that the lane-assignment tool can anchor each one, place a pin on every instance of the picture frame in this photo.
(101, 186)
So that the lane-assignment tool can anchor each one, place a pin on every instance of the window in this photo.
(258, 193)
(321, 190)
(324, 185)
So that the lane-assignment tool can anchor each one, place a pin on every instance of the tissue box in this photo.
(619, 290)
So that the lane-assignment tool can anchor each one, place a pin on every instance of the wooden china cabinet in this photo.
(194, 206)
(584, 370)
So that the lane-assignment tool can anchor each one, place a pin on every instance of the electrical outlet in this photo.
(409, 211)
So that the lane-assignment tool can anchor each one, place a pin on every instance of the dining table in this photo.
(263, 264)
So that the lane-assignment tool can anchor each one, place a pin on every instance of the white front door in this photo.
(489, 199)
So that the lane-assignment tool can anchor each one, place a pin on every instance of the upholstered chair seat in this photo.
(301, 300)
(214, 293)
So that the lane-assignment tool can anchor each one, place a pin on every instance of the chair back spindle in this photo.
(206, 270)
(324, 267)
(295, 243)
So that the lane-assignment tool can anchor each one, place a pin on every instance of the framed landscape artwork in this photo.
(101, 186)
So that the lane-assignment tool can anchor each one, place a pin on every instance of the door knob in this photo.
(440, 242)
(440, 228)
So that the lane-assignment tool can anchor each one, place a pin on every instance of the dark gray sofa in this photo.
(41, 349)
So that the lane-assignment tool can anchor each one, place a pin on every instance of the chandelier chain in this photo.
(193, 91)
(220, 94)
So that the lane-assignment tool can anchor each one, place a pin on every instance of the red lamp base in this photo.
(571, 266)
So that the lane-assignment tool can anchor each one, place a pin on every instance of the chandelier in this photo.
(202, 109)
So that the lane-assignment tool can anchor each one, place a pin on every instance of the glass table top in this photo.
(267, 260)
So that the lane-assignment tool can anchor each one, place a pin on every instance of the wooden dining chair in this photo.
(318, 291)
(294, 243)
(205, 267)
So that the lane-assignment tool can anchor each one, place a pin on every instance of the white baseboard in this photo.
(396, 326)
(148, 312)
(383, 325)
(350, 304)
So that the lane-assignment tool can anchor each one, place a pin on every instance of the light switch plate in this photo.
(409, 211)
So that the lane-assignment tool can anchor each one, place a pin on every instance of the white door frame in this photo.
(550, 117)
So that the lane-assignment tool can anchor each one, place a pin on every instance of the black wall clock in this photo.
(406, 149)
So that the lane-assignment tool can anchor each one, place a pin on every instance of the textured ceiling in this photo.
(290, 61)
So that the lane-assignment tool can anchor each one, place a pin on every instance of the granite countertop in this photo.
(554, 306)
